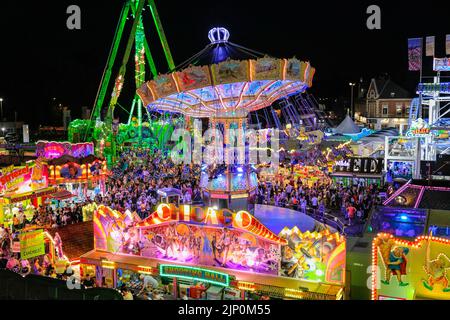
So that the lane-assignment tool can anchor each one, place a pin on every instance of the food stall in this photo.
(23, 189)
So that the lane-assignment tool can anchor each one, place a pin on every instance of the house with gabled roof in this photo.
(385, 104)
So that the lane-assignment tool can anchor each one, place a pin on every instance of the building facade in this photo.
(384, 104)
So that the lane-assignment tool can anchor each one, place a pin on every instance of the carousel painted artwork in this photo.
(192, 235)
(410, 270)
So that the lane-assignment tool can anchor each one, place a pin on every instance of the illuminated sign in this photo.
(7, 170)
(342, 163)
(191, 273)
(443, 87)
(33, 195)
(360, 165)
(53, 150)
(418, 128)
(14, 175)
(441, 64)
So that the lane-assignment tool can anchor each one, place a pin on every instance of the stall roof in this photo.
(380, 135)
(62, 195)
(46, 192)
(68, 158)
(347, 126)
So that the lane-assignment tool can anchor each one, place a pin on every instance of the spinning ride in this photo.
(224, 82)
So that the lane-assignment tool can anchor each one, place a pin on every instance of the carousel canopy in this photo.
(224, 78)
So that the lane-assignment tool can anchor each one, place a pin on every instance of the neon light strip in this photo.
(396, 193)
(193, 95)
(220, 98)
(419, 198)
(244, 89)
(437, 188)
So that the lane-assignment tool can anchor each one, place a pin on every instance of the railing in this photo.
(14, 286)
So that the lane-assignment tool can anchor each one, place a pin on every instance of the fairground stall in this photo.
(35, 243)
(308, 175)
(402, 158)
(410, 270)
(213, 254)
(74, 167)
(359, 171)
(23, 189)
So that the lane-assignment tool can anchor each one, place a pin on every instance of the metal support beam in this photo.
(98, 104)
(162, 35)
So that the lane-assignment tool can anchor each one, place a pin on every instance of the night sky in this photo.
(40, 59)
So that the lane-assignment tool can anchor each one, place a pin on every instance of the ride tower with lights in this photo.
(102, 127)
(429, 117)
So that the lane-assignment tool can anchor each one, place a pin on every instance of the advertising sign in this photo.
(360, 165)
(32, 244)
(441, 64)
(418, 128)
(14, 178)
(415, 48)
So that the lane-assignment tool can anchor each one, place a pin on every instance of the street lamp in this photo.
(351, 84)
(1, 107)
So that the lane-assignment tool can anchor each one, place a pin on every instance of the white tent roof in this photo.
(347, 127)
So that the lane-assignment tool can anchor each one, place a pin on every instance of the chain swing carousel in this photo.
(224, 83)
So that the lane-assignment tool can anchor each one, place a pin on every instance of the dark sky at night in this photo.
(41, 59)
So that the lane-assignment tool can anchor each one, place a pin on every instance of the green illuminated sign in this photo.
(191, 273)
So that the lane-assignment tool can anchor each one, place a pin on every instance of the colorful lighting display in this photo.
(203, 91)
(221, 238)
(313, 256)
(410, 269)
(54, 150)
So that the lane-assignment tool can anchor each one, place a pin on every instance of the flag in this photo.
(415, 48)
(447, 44)
(429, 49)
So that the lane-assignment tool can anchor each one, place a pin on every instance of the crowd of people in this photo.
(58, 217)
(140, 174)
(324, 196)
(133, 186)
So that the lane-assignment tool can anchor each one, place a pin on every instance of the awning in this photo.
(62, 195)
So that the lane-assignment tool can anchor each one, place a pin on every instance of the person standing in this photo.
(351, 210)
(314, 203)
